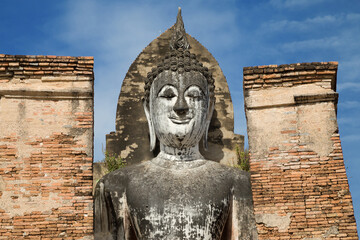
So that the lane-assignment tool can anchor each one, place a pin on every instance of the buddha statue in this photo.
(178, 194)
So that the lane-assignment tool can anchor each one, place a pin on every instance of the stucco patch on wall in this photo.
(274, 221)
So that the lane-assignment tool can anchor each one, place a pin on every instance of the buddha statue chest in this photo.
(179, 203)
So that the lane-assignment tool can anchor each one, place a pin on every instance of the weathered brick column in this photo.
(46, 147)
(299, 182)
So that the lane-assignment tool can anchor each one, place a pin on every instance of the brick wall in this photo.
(299, 182)
(46, 147)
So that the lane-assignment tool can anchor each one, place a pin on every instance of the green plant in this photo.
(243, 159)
(113, 162)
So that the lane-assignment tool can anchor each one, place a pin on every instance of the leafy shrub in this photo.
(112, 162)
(243, 159)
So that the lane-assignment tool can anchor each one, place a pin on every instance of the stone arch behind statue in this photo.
(131, 141)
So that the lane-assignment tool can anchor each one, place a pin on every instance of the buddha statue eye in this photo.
(194, 92)
(167, 92)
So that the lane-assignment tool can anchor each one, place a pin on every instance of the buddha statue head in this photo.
(179, 97)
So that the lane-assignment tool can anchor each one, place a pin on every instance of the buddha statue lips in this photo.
(180, 120)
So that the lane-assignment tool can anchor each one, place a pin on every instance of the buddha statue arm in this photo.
(242, 218)
(106, 224)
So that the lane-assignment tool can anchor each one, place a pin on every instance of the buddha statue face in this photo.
(179, 108)
(179, 105)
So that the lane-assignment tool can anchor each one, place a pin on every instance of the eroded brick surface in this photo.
(46, 147)
(299, 182)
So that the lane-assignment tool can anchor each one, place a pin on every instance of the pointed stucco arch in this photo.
(130, 140)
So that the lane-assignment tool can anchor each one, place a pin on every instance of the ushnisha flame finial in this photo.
(178, 38)
(179, 59)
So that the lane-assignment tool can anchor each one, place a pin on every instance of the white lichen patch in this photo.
(175, 219)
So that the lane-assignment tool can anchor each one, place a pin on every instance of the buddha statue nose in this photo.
(181, 107)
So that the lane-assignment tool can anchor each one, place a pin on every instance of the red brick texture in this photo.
(289, 75)
(300, 190)
(46, 147)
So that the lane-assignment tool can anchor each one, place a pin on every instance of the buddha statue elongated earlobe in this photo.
(208, 120)
(205, 137)
(151, 126)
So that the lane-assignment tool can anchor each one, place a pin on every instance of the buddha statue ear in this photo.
(208, 120)
(150, 124)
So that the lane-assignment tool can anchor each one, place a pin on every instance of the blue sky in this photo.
(238, 34)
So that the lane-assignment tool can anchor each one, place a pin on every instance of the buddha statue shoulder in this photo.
(178, 194)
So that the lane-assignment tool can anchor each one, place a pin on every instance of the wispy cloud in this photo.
(305, 25)
(353, 86)
(322, 43)
(338, 33)
(349, 104)
(350, 138)
(112, 29)
(344, 42)
(353, 16)
(294, 3)
(349, 69)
